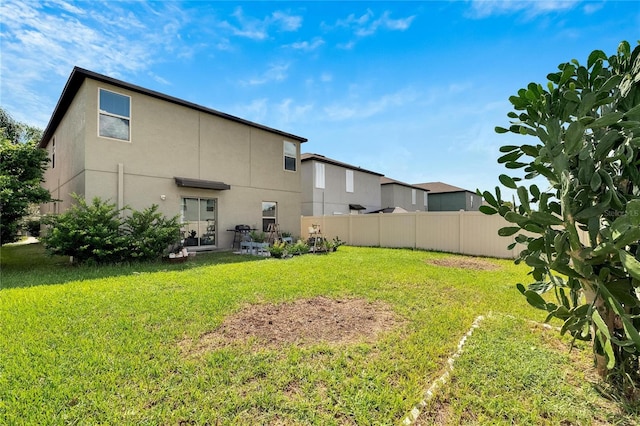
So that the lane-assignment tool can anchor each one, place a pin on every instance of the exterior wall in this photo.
(68, 175)
(169, 140)
(393, 195)
(334, 198)
(454, 201)
(471, 233)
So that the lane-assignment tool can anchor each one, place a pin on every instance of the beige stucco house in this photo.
(331, 187)
(399, 194)
(137, 147)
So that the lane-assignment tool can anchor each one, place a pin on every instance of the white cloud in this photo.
(275, 72)
(258, 29)
(42, 42)
(286, 22)
(531, 8)
(307, 46)
(359, 110)
(365, 25)
(288, 112)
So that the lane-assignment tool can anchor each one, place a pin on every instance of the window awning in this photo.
(356, 207)
(199, 183)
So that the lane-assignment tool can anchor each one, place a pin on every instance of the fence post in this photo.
(460, 233)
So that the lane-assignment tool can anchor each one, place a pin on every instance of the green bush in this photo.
(33, 227)
(150, 233)
(97, 232)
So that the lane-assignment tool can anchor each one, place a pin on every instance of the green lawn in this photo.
(101, 345)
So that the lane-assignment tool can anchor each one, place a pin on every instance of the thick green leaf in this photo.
(595, 210)
(605, 339)
(573, 137)
(535, 300)
(500, 130)
(487, 210)
(508, 231)
(595, 182)
(545, 219)
(606, 120)
(630, 263)
(514, 217)
(523, 196)
(511, 156)
(595, 56)
(507, 181)
(489, 198)
(535, 262)
(633, 212)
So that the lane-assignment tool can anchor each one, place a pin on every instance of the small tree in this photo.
(582, 233)
(22, 167)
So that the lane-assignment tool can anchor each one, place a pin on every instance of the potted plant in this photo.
(279, 249)
(259, 241)
(191, 239)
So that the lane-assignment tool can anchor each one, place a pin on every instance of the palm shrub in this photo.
(587, 125)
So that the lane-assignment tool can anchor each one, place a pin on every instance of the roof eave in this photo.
(78, 76)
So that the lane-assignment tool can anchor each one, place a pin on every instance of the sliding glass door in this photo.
(199, 217)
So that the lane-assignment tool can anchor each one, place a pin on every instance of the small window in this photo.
(269, 214)
(319, 175)
(290, 156)
(349, 177)
(413, 196)
(471, 201)
(53, 154)
(426, 199)
(115, 115)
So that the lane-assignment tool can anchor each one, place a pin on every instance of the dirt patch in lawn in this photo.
(473, 263)
(303, 322)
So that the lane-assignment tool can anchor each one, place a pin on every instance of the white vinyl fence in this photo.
(463, 232)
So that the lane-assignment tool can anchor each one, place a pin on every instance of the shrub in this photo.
(150, 233)
(279, 249)
(300, 247)
(33, 227)
(97, 232)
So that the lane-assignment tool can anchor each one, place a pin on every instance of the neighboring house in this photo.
(331, 187)
(136, 147)
(445, 197)
(399, 194)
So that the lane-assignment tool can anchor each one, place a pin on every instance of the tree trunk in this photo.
(609, 318)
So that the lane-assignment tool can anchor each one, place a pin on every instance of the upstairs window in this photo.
(319, 175)
(413, 196)
(349, 180)
(115, 115)
(53, 153)
(290, 156)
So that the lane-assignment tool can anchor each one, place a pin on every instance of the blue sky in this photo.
(409, 89)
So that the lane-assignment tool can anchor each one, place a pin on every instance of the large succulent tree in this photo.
(580, 229)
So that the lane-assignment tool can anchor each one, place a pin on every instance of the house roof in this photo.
(388, 181)
(78, 75)
(390, 210)
(440, 187)
(323, 159)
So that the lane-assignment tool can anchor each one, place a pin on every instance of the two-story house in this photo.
(332, 187)
(445, 197)
(137, 147)
(399, 194)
